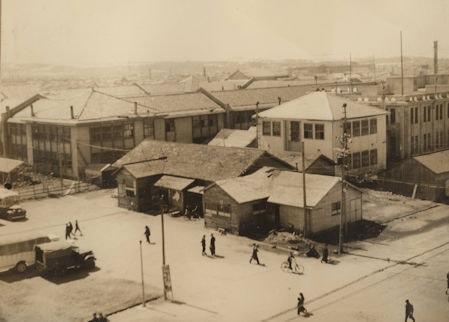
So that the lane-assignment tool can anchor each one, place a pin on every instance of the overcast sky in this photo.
(80, 32)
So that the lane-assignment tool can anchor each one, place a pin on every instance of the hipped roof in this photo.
(321, 106)
(437, 162)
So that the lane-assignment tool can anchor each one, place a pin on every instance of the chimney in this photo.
(435, 57)
(32, 110)
(279, 100)
(135, 108)
(72, 115)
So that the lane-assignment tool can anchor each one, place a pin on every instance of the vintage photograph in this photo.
(224, 160)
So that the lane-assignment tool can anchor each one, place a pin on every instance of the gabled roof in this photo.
(174, 104)
(88, 104)
(123, 91)
(267, 97)
(279, 187)
(195, 161)
(295, 159)
(174, 183)
(437, 162)
(321, 106)
(8, 165)
(235, 138)
(237, 75)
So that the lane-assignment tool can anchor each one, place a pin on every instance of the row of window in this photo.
(361, 127)
(271, 128)
(428, 145)
(362, 159)
(426, 115)
(18, 141)
(204, 127)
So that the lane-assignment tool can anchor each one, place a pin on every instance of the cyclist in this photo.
(290, 260)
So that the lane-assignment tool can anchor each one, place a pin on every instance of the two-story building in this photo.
(318, 120)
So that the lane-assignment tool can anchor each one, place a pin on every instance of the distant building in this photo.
(179, 172)
(317, 120)
(270, 198)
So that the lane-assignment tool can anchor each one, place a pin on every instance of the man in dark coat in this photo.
(300, 305)
(254, 255)
(70, 228)
(447, 288)
(203, 245)
(94, 318)
(77, 228)
(409, 311)
(67, 231)
(325, 257)
(147, 234)
(212, 245)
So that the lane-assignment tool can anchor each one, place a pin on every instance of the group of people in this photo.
(211, 245)
(190, 212)
(71, 231)
(312, 252)
(99, 318)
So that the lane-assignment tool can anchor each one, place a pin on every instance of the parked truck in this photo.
(9, 208)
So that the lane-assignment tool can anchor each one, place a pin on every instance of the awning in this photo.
(173, 183)
(197, 189)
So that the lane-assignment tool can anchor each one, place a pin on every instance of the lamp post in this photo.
(141, 272)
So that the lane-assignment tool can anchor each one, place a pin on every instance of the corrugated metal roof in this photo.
(437, 162)
(320, 106)
(196, 161)
(174, 183)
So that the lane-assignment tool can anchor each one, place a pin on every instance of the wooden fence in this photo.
(55, 190)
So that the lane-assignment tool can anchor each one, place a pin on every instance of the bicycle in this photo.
(296, 268)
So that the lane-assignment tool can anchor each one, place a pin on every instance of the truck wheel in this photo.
(89, 263)
(21, 267)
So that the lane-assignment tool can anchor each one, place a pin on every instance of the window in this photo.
(319, 131)
(266, 128)
(336, 208)
(148, 128)
(128, 131)
(392, 116)
(276, 128)
(294, 131)
(170, 130)
(365, 159)
(308, 131)
(365, 127)
(414, 146)
(429, 113)
(372, 126)
(373, 157)
(356, 160)
(356, 128)
(441, 111)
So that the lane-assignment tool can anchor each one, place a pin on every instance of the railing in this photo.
(54, 190)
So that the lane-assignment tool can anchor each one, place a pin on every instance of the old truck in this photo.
(56, 258)
(9, 208)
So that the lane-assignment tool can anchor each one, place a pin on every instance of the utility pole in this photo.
(141, 272)
(402, 68)
(350, 72)
(343, 158)
(374, 68)
(163, 254)
(1, 5)
(257, 124)
(304, 198)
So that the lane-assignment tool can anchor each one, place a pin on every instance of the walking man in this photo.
(77, 228)
(70, 229)
(447, 288)
(254, 255)
(147, 234)
(409, 311)
(67, 231)
(325, 257)
(212, 245)
(301, 307)
(203, 244)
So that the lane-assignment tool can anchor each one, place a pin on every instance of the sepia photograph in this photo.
(224, 160)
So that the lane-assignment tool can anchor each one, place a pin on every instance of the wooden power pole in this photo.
(304, 196)
(344, 157)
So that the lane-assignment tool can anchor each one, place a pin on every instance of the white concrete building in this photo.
(317, 120)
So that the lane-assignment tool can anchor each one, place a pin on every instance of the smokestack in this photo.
(135, 108)
(72, 115)
(435, 57)
(32, 110)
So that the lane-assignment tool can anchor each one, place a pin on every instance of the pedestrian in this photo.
(212, 244)
(102, 318)
(447, 288)
(77, 228)
(301, 307)
(94, 318)
(67, 232)
(203, 244)
(409, 311)
(325, 257)
(254, 255)
(70, 228)
(312, 252)
(147, 234)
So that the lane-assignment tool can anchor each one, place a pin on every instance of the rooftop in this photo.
(235, 138)
(8, 165)
(196, 161)
(280, 187)
(321, 106)
(437, 162)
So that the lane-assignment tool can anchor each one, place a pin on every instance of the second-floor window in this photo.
(365, 127)
(319, 131)
(148, 128)
(308, 131)
(294, 131)
(372, 126)
(356, 128)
